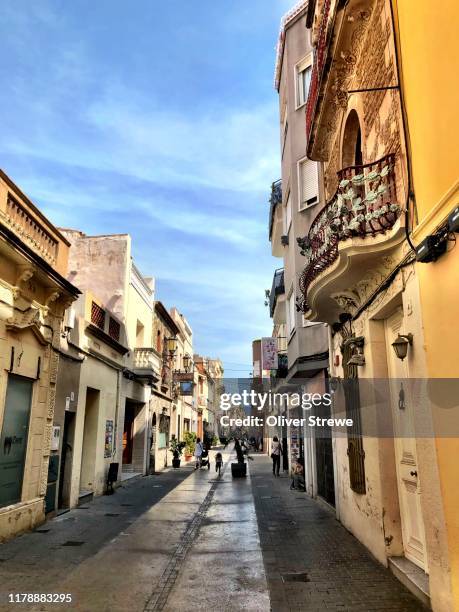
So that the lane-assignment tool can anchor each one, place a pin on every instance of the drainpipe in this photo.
(117, 406)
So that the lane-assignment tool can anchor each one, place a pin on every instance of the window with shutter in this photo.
(287, 215)
(303, 71)
(309, 183)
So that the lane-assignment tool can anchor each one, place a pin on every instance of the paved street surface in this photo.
(184, 539)
(311, 562)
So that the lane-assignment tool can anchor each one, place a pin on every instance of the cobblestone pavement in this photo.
(300, 536)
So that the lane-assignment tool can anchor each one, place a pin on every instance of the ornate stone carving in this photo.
(47, 439)
(51, 403)
(53, 367)
(22, 320)
(25, 274)
(44, 476)
(349, 301)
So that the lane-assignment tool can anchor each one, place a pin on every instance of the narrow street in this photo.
(184, 539)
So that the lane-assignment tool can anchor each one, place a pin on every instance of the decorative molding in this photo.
(47, 439)
(44, 475)
(53, 367)
(286, 21)
(51, 403)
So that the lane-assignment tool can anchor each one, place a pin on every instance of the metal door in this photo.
(13, 440)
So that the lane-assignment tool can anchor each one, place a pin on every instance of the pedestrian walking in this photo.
(198, 453)
(218, 463)
(276, 453)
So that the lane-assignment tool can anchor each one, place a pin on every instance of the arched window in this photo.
(352, 142)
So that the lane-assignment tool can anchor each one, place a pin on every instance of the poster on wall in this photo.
(269, 353)
(108, 438)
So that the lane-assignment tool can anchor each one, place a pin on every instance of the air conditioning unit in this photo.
(69, 318)
(284, 240)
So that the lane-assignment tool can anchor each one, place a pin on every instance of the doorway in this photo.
(13, 440)
(324, 458)
(408, 481)
(153, 445)
(128, 433)
(65, 469)
(89, 452)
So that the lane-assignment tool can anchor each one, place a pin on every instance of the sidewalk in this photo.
(299, 536)
(172, 542)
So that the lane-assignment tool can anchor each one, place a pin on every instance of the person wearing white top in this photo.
(276, 452)
(198, 453)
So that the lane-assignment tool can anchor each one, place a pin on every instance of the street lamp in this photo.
(401, 343)
(171, 345)
(186, 362)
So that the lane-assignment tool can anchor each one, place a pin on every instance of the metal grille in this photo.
(97, 316)
(355, 451)
(114, 329)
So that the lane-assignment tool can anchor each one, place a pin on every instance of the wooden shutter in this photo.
(309, 183)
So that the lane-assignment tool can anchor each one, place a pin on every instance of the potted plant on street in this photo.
(176, 449)
(190, 444)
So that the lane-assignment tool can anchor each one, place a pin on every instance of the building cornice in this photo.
(286, 22)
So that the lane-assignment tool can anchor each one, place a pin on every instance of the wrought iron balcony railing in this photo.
(275, 199)
(277, 288)
(365, 204)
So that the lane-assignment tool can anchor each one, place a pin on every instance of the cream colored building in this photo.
(112, 413)
(165, 409)
(89, 409)
(183, 364)
(295, 200)
(34, 294)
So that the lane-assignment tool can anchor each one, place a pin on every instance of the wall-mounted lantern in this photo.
(186, 362)
(401, 343)
(171, 344)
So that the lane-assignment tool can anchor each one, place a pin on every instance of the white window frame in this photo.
(299, 68)
(287, 220)
(302, 205)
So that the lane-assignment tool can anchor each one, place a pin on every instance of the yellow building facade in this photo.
(380, 119)
(428, 59)
(33, 297)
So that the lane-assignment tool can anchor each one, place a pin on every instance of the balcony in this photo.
(104, 325)
(277, 298)
(147, 365)
(20, 216)
(275, 219)
(282, 366)
(357, 227)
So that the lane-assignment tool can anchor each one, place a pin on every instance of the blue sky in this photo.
(158, 119)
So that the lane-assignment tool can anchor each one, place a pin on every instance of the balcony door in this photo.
(408, 481)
